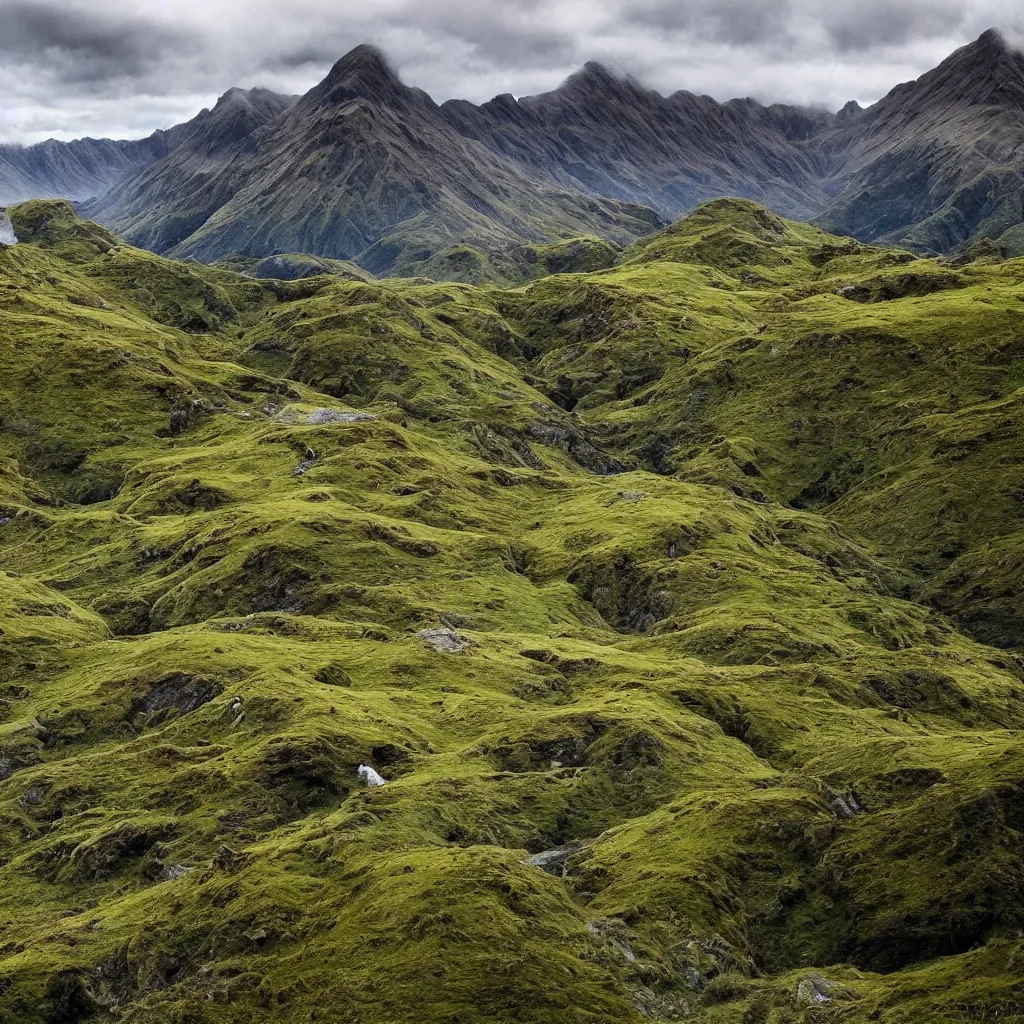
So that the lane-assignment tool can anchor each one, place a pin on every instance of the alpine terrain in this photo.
(677, 604)
(364, 168)
(439, 584)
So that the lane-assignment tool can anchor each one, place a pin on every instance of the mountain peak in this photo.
(233, 95)
(364, 72)
(986, 72)
(990, 49)
(595, 77)
(993, 39)
(596, 71)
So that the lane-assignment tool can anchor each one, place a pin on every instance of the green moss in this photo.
(733, 558)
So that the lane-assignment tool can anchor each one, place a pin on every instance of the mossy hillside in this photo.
(780, 770)
(515, 263)
(292, 267)
(816, 384)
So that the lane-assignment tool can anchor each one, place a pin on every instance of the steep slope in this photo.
(607, 135)
(362, 168)
(937, 163)
(187, 183)
(73, 170)
(88, 168)
(664, 736)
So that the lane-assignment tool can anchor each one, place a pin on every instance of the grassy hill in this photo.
(678, 602)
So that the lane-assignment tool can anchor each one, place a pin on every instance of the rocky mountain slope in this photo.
(607, 135)
(72, 170)
(206, 149)
(364, 168)
(938, 162)
(401, 186)
(88, 168)
(678, 604)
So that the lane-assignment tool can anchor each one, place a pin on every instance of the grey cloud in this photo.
(873, 23)
(125, 67)
(85, 45)
(739, 22)
(504, 34)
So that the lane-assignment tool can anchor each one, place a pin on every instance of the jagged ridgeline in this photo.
(677, 603)
(369, 170)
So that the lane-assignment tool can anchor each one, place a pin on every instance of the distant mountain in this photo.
(362, 167)
(610, 136)
(168, 200)
(88, 168)
(938, 162)
(73, 170)
(367, 169)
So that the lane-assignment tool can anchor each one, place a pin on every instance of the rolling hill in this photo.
(677, 602)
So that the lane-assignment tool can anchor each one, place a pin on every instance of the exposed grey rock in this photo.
(627, 496)
(7, 235)
(447, 641)
(230, 860)
(321, 416)
(306, 464)
(34, 795)
(177, 692)
(693, 977)
(814, 990)
(14, 759)
(846, 806)
(187, 414)
(554, 861)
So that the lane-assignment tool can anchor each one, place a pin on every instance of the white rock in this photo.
(7, 235)
(369, 776)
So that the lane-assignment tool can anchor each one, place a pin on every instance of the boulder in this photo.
(370, 776)
(447, 641)
(814, 990)
(321, 416)
(554, 861)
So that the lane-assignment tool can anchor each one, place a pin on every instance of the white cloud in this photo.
(119, 68)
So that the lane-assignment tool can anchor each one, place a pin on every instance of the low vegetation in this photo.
(715, 547)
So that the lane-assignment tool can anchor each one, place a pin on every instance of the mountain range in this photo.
(366, 168)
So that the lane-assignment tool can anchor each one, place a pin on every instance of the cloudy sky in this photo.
(121, 68)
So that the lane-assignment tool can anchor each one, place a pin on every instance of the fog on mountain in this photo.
(398, 184)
